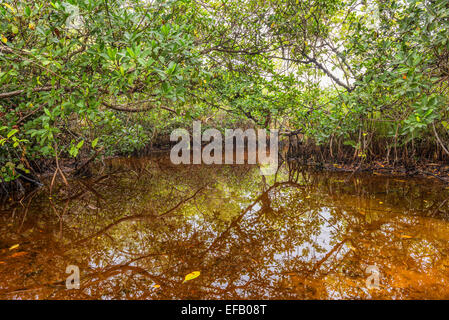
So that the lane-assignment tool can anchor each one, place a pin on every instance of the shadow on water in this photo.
(136, 229)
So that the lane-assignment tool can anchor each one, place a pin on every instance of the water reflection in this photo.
(138, 227)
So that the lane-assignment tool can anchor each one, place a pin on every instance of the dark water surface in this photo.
(139, 226)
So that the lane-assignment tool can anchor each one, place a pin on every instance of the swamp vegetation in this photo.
(357, 82)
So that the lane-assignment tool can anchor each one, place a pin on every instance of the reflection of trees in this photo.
(296, 235)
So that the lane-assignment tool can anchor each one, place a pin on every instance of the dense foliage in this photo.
(368, 78)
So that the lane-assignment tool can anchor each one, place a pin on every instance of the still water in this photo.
(139, 226)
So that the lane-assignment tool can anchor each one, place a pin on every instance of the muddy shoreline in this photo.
(84, 166)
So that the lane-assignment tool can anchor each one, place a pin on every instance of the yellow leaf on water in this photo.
(14, 247)
(406, 236)
(191, 276)
(156, 286)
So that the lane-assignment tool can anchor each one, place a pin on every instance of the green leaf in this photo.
(94, 143)
(11, 133)
(80, 144)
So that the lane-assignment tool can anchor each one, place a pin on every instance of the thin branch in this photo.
(438, 138)
(11, 94)
(125, 107)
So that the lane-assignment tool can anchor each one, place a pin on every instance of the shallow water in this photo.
(139, 226)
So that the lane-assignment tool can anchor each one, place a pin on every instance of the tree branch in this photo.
(11, 94)
(125, 107)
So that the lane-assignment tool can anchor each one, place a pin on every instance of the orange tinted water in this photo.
(137, 228)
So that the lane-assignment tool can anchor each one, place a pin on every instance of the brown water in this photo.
(140, 226)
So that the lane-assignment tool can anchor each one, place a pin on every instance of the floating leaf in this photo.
(406, 236)
(19, 254)
(156, 286)
(14, 247)
(191, 276)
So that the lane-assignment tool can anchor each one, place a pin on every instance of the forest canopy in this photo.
(361, 80)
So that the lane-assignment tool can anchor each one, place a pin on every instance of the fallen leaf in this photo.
(191, 276)
(406, 236)
(14, 247)
(156, 286)
(19, 254)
